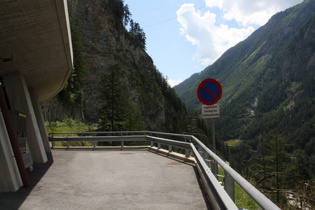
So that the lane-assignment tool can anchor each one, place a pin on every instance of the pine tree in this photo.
(278, 156)
(114, 99)
(138, 32)
(118, 112)
(72, 94)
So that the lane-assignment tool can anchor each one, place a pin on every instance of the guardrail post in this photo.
(200, 150)
(159, 145)
(208, 162)
(94, 144)
(205, 156)
(203, 153)
(52, 144)
(122, 144)
(229, 185)
(68, 144)
(152, 143)
(187, 153)
(170, 148)
(214, 168)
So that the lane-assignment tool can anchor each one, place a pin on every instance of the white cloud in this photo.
(212, 40)
(247, 12)
(172, 83)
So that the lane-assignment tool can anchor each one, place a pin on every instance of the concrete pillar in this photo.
(20, 99)
(10, 179)
(40, 119)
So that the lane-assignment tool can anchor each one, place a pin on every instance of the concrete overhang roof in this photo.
(37, 34)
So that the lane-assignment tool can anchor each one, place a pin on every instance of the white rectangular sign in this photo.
(210, 111)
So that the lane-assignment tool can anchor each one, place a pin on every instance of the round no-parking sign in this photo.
(209, 91)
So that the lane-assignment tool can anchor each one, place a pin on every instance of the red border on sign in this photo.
(217, 97)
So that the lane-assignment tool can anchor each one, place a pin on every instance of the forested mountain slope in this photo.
(268, 80)
(268, 102)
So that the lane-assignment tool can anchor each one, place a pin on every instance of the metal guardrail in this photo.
(221, 198)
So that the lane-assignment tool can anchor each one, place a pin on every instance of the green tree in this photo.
(114, 100)
(72, 94)
(312, 165)
(117, 112)
(138, 32)
(266, 167)
(121, 13)
(278, 156)
(133, 121)
(300, 163)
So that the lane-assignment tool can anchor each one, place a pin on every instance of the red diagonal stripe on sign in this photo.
(216, 97)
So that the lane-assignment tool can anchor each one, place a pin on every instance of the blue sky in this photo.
(185, 36)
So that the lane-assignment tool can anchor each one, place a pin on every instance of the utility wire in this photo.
(167, 20)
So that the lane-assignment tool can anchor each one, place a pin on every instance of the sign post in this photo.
(209, 93)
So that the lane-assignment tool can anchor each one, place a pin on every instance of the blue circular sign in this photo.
(209, 91)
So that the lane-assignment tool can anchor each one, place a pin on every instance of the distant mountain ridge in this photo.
(268, 80)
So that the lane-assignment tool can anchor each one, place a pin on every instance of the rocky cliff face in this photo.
(106, 44)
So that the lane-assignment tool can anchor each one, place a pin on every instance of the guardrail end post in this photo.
(229, 186)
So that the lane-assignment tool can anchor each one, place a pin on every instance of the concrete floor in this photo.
(102, 179)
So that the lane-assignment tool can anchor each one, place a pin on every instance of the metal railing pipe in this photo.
(256, 195)
(100, 138)
(218, 196)
(179, 144)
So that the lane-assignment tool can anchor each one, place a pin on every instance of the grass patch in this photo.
(69, 125)
(233, 142)
(242, 199)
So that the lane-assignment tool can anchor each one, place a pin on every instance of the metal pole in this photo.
(215, 164)
(229, 185)
(213, 136)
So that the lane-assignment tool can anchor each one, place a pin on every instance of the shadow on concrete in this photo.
(14, 200)
(204, 194)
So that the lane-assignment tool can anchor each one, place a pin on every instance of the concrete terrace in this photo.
(109, 179)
